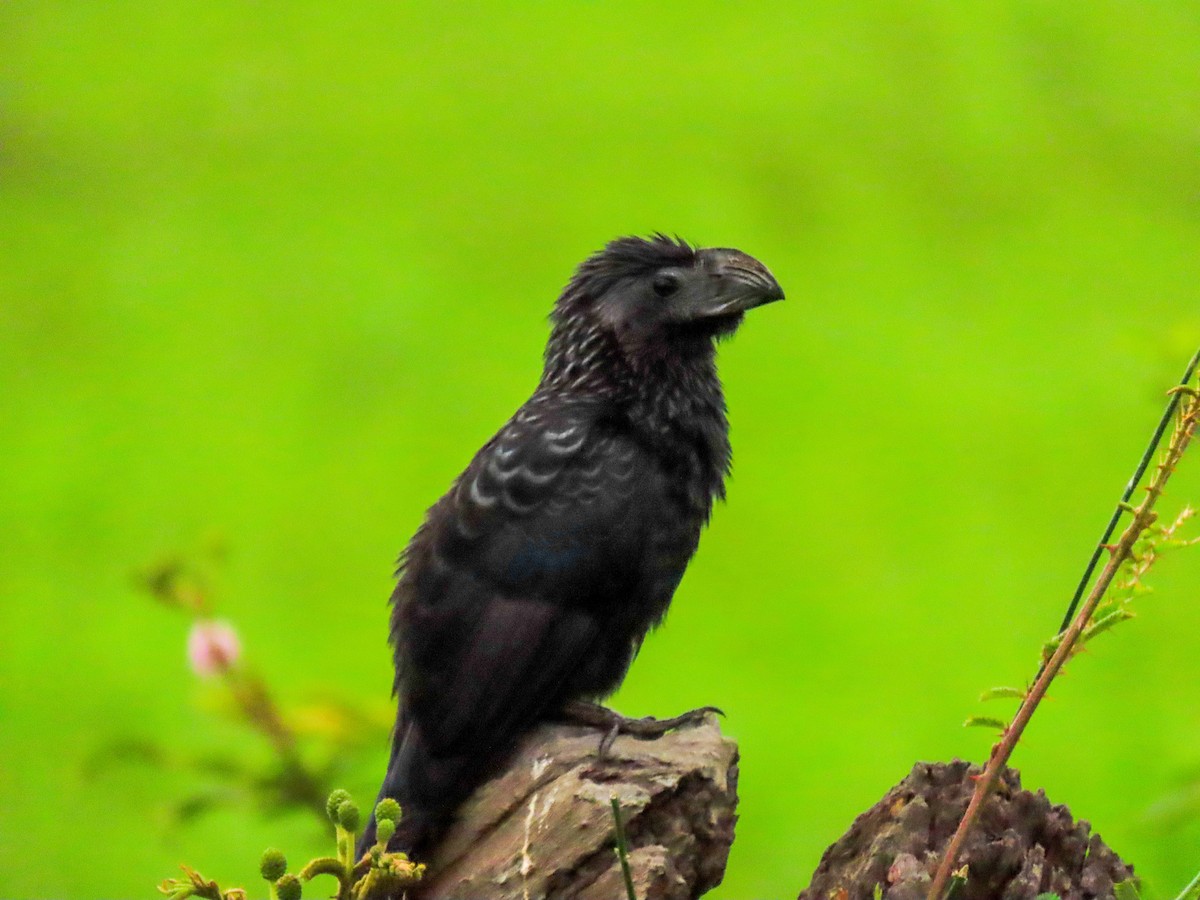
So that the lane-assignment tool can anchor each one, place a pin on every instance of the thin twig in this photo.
(1192, 891)
(623, 850)
(1143, 518)
(260, 709)
(1123, 503)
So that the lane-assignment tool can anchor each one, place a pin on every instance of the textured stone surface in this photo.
(544, 828)
(1021, 845)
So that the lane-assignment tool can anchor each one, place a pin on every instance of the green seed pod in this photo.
(273, 864)
(288, 888)
(348, 815)
(336, 799)
(384, 829)
(387, 809)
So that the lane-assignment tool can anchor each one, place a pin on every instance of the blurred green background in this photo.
(276, 270)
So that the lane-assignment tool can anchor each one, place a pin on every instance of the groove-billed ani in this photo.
(532, 582)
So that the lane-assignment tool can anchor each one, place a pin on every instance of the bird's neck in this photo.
(670, 394)
(679, 392)
(583, 360)
(672, 383)
(679, 408)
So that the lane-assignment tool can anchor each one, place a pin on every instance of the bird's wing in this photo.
(501, 595)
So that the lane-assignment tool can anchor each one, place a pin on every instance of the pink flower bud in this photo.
(213, 647)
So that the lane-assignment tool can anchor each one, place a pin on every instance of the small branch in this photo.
(1143, 518)
(215, 653)
(259, 709)
(1127, 494)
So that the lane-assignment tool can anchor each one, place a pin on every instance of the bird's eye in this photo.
(665, 284)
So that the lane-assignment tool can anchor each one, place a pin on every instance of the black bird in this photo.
(531, 584)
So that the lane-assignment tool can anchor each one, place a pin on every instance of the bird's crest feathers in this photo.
(623, 257)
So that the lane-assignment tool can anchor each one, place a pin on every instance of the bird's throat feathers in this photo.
(671, 394)
(668, 380)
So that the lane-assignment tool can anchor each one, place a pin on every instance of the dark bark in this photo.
(1021, 846)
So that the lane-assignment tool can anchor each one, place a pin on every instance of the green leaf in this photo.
(1049, 895)
(1049, 648)
(1106, 622)
(985, 722)
(1002, 693)
(1127, 890)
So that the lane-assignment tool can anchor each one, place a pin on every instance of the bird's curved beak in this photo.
(742, 282)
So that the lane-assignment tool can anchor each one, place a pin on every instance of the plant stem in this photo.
(1143, 517)
(1192, 891)
(1172, 404)
(258, 707)
(623, 850)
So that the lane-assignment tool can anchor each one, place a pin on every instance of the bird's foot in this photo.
(594, 715)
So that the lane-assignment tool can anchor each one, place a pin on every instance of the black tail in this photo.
(427, 787)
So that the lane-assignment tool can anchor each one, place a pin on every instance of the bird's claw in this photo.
(606, 742)
(648, 728)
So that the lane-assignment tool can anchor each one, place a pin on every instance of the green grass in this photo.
(276, 271)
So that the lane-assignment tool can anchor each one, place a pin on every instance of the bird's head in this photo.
(662, 294)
